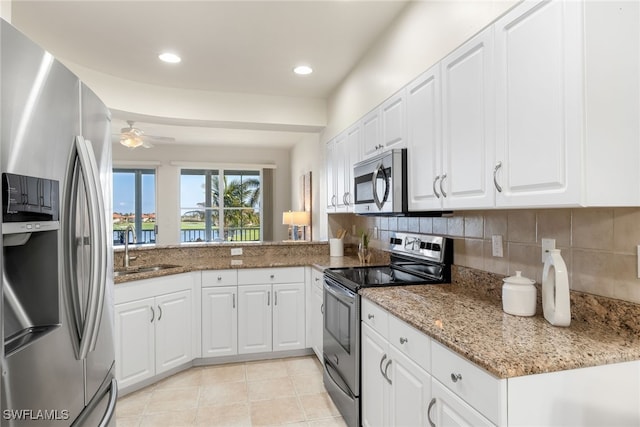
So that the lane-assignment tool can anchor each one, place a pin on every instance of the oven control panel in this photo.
(422, 245)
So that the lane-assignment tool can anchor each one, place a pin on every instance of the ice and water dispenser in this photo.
(30, 226)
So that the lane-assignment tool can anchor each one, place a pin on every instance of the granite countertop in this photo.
(474, 325)
(176, 266)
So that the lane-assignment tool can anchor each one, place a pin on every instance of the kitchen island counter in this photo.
(467, 317)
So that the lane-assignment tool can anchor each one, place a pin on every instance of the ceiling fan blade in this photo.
(160, 139)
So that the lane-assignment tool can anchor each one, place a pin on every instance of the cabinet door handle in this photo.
(333, 200)
(435, 190)
(386, 368)
(153, 314)
(275, 297)
(456, 377)
(495, 178)
(347, 196)
(160, 312)
(322, 308)
(403, 340)
(219, 278)
(431, 404)
(234, 300)
(444, 175)
(317, 279)
(370, 316)
(384, 357)
(268, 298)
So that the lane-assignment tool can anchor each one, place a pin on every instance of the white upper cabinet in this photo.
(539, 85)
(332, 198)
(424, 141)
(394, 121)
(342, 153)
(568, 104)
(371, 133)
(468, 124)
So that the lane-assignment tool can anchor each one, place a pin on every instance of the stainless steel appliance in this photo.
(415, 259)
(380, 184)
(57, 349)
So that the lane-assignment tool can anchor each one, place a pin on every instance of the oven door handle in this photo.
(340, 293)
(341, 384)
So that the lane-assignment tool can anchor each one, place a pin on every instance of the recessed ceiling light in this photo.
(303, 70)
(171, 58)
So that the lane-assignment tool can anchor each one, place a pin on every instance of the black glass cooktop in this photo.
(365, 277)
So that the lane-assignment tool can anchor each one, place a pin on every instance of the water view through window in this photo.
(134, 204)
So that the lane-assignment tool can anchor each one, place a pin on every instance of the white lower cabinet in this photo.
(396, 391)
(271, 317)
(153, 334)
(447, 409)
(219, 321)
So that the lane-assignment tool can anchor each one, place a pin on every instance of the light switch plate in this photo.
(496, 246)
(236, 251)
(547, 245)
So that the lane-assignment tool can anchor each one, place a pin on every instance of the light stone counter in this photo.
(217, 257)
(467, 317)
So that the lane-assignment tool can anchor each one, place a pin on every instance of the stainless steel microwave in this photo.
(380, 184)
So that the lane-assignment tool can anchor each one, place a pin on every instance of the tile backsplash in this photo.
(597, 244)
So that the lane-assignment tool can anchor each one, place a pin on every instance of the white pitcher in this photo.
(555, 290)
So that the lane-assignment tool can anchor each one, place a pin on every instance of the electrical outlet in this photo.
(547, 245)
(496, 246)
(236, 262)
(236, 251)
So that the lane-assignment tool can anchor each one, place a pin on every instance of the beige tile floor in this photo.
(274, 392)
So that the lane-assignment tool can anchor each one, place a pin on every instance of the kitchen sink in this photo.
(146, 269)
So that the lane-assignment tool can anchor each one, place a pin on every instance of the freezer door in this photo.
(39, 110)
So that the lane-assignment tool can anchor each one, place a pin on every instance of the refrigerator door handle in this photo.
(98, 272)
(111, 407)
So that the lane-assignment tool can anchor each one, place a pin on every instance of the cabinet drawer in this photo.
(375, 316)
(257, 276)
(475, 386)
(219, 278)
(411, 342)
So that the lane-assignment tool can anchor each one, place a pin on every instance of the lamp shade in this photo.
(301, 218)
(296, 218)
(287, 218)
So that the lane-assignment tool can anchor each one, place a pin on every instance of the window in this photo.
(220, 205)
(134, 203)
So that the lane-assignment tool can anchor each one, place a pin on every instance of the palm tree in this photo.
(242, 193)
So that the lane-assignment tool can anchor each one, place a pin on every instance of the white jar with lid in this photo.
(519, 295)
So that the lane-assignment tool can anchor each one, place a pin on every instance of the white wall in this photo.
(168, 178)
(306, 157)
(5, 10)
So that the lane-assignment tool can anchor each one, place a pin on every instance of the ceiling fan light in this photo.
(169, 57)
(131, 141)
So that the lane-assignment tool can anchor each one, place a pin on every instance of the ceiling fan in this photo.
(133, 137)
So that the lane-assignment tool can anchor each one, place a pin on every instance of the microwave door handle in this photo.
(374, 177)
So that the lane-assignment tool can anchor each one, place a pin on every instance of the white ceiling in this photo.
(226, 46)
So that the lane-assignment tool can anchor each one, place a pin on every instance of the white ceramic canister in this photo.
(519, 295)
(556, 304)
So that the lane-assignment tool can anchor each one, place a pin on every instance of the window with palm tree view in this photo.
(220, 205)
(134, 205)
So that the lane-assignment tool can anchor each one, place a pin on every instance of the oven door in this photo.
(341, 334)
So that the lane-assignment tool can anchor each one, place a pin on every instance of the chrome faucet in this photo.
(127, 258)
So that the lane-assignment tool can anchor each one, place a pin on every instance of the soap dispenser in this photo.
(555, 290)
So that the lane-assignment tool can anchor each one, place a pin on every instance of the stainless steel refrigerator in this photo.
(57, 287)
